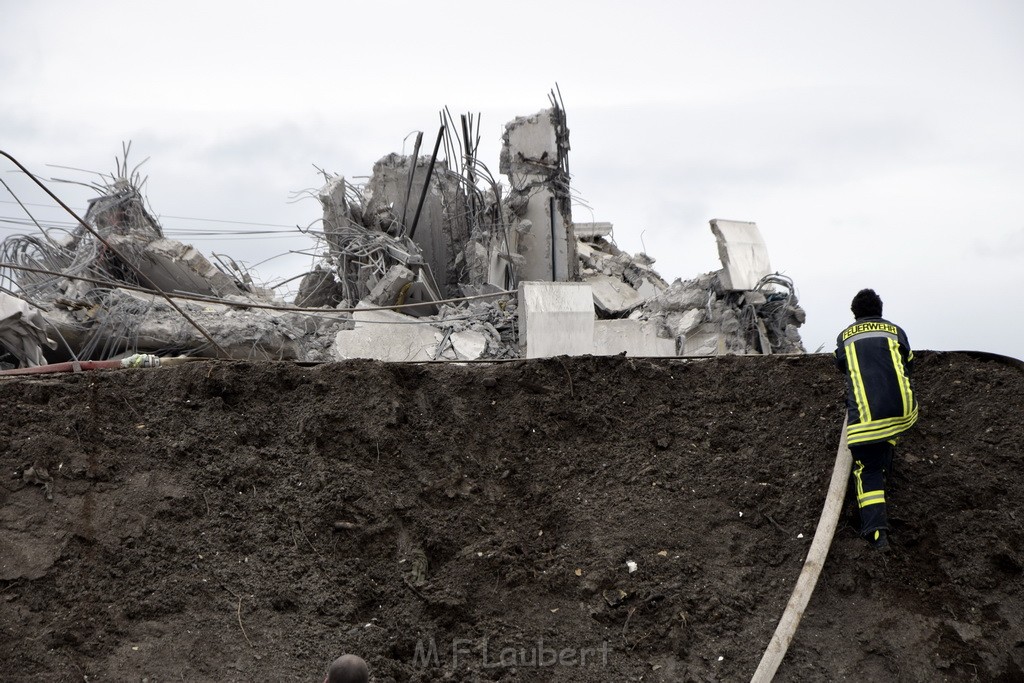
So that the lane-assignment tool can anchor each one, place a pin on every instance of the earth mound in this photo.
(571, 519)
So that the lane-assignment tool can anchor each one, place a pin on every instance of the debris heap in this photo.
(425, 261)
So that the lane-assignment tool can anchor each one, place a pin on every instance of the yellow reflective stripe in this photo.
(870, 437)
(897, 367)
(908, 391)
(859, 394)
(871, 498)
(878, 434)
(856, 477)
(884, 422)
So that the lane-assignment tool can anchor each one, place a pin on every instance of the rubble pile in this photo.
(96, 288)
(425, 261)
(701, 315)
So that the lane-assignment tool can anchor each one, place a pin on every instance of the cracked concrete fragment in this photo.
(612, 295)
(23, 331)
(742, 252)
(388, 290)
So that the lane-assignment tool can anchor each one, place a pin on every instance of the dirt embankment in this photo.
(252, 521)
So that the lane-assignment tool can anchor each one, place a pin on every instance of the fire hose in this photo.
(784, 632)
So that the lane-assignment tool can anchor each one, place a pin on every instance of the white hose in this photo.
(784, 632)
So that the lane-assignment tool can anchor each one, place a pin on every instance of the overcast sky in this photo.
(876, 144)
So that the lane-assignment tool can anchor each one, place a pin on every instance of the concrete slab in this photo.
(632, 337)
(742, 252)
(176, 267)
(387, 336)
(613, 295)
(591, 230)
(556, 318)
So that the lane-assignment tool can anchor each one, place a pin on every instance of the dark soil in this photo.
(250, 522)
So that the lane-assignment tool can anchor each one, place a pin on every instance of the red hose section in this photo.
(64, 367)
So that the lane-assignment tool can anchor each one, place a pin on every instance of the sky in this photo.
(875, 144)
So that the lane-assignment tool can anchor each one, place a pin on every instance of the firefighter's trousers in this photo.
(872, 463)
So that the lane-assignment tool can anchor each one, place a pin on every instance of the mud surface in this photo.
(253, 521)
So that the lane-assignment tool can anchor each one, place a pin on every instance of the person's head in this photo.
(348, 669)
(866, 304)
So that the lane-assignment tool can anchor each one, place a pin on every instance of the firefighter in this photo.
(876, 358)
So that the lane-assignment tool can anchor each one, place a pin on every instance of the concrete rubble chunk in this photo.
(681, 324)
(387, 336)
(23, 331)
(176, 267)
(612, 295)
(705, 340)
(319, 288)
(387, 291)
(685, 294)
(556, 319)
(638, 338)
(590, 230)
(468, 345)
(742, 252)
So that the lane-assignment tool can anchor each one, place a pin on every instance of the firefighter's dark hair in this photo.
(866, 304)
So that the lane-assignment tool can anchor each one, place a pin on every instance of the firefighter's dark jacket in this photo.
(876, 358)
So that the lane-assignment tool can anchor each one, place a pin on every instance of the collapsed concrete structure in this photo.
(431, 259)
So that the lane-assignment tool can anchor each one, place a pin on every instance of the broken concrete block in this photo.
(319, 288)
(477, 262)
(591, 230)
(730, 322)
(683, 296)
(586, 252)
(754, 298)
(23, 330)
(742, 252)
(388, 289)
(682, 324)
(612, 295)
(705, 340)
(529, 142)
(387, 336)
(632, 337)
(175, 267)
(647, 290)
(468, 345)
(556, 318)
